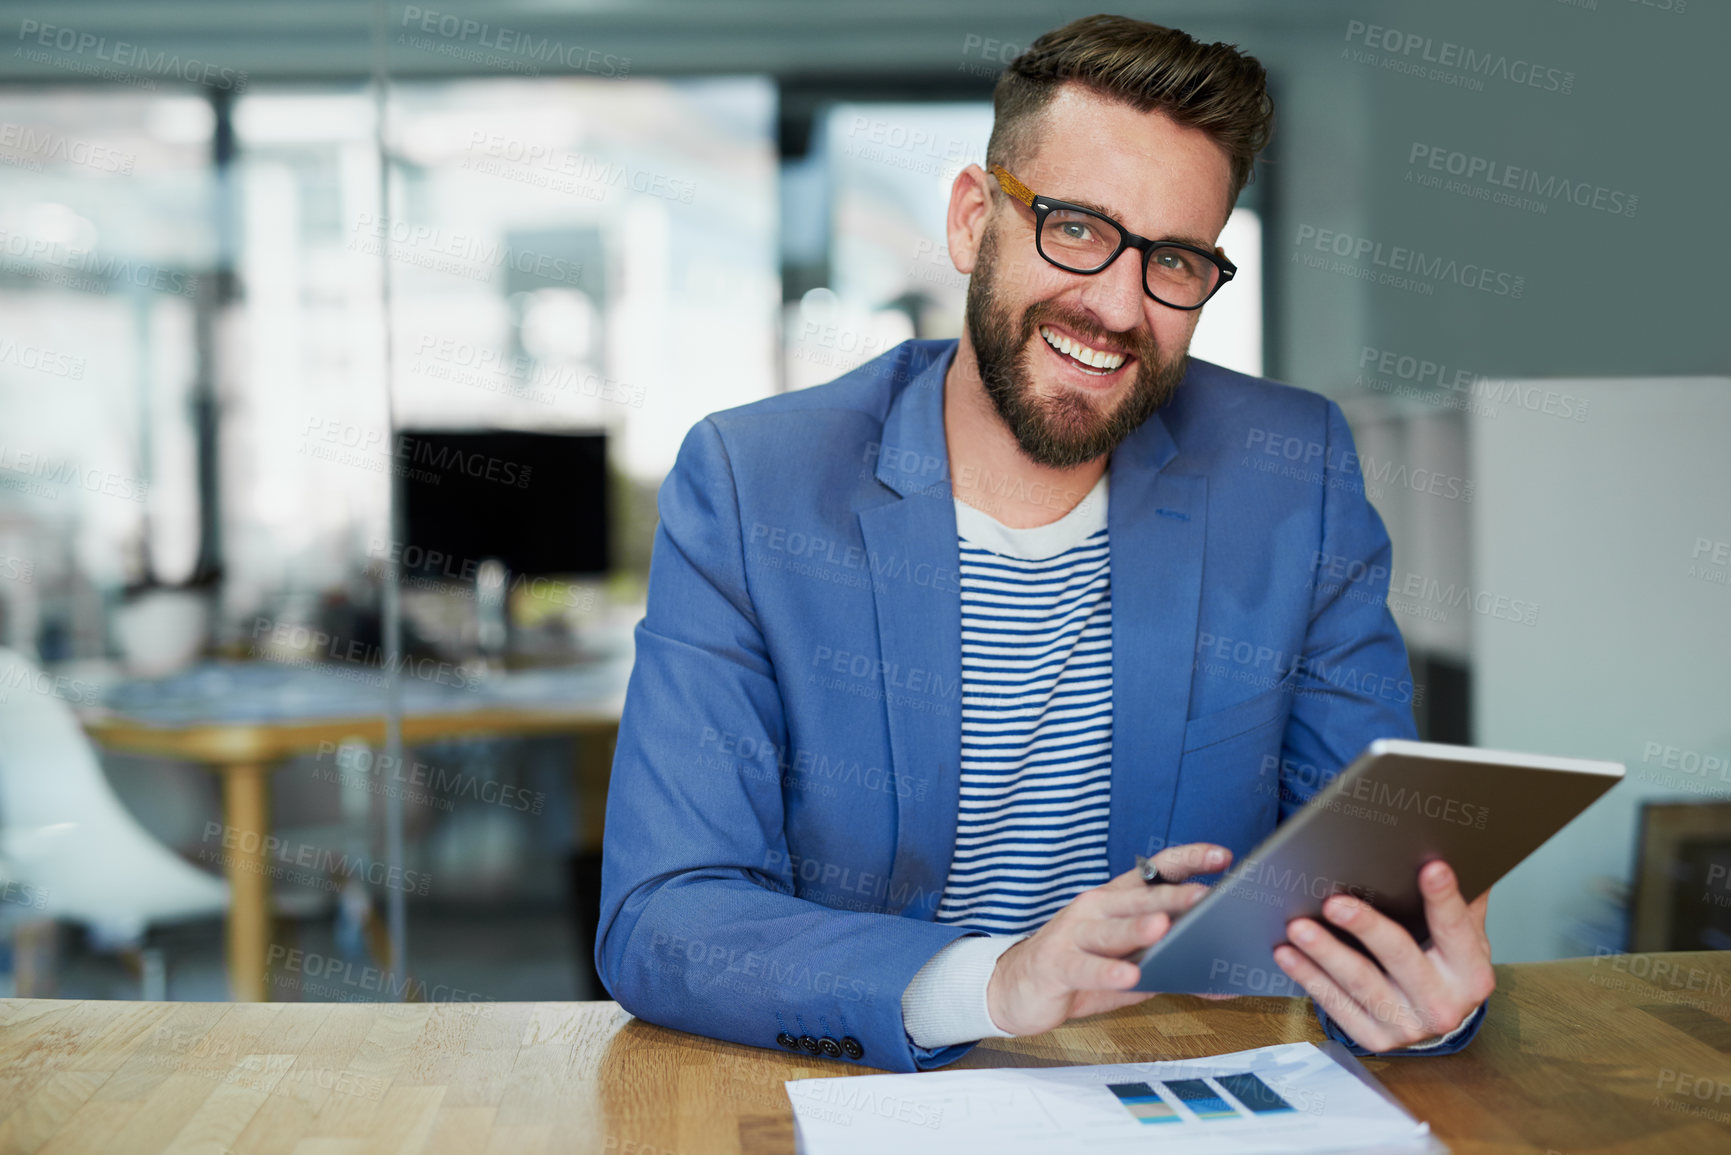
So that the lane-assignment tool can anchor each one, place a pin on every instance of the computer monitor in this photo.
(538, 502)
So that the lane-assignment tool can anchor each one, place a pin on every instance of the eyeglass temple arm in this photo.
(1013, 186)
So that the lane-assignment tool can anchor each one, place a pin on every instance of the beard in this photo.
(1065, 430)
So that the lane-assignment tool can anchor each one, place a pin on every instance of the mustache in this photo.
(1139, 343)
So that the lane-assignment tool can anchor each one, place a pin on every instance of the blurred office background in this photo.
(260, 263)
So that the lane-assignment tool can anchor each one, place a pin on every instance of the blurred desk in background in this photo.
(1623, 1054)
(241, 718)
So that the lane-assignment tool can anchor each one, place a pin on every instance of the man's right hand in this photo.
(1075, 965)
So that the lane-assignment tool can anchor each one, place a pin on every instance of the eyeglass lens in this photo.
(1084, 242)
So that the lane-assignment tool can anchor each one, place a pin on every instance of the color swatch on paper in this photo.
(1253, 1093)
(1204, 1101)
(1140, 1100)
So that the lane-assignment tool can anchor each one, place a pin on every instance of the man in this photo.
(934, 652)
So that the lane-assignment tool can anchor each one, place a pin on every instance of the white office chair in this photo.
(65, 834)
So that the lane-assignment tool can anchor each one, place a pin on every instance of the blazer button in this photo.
(851, 1047)
(830, 1047)
(788, 1041)
(810, 1043)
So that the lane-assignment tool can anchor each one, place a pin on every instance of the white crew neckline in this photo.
(979, 528)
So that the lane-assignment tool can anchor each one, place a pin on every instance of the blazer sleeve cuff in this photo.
(1447, 1044)
(945, 1002)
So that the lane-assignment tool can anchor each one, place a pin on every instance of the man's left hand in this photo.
(1419, 993)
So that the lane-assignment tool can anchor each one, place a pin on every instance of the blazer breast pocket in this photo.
(1228, 791)
(1264, 709)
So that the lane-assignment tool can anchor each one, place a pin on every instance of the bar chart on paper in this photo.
(1245, 1093)
(1290, 1098)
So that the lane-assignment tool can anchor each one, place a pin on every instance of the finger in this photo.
(1117, 937)
(1132, 881)
(1456, 930)
(1145, 899)
(1479, 907)
(1354, 973)
(1357, 1021)
(1180, 862)
(1406, 965)
(1080, 971)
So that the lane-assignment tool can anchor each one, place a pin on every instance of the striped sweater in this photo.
(1036, 757)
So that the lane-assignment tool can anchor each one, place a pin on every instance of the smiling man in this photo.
(935, 652)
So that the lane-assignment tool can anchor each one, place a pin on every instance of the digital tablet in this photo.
(1399, 805)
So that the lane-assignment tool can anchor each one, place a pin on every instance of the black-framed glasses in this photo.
(1080, 240)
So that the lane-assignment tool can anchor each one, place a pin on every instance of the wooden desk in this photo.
(1590, 1055)
(244, 753)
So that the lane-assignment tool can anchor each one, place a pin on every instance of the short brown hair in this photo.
(1211, 87)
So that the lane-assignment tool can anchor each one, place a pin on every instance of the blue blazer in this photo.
(784, 795)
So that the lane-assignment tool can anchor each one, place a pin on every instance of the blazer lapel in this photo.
(1157, 523)
(911, 549)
